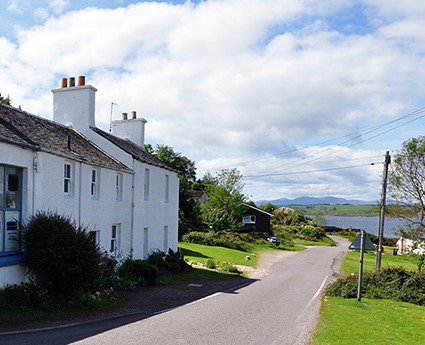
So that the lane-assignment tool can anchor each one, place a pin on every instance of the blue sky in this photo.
(299, 95)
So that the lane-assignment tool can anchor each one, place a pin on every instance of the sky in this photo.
(303, 97)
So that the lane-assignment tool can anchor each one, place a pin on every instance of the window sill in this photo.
(10, 260)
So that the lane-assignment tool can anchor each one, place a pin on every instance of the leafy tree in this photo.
(407, 186)
(6, 100)
(189, 211)
(224, 207)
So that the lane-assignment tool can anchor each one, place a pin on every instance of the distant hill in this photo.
(305, 200)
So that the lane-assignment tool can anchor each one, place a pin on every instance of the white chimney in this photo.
(132, 129)
(74, 105)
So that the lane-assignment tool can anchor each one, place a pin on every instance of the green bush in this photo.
(211, 264)
(173, 262)
(221, 239)
(25, 295)
(391, 283)
(62, 257)
(140, 271)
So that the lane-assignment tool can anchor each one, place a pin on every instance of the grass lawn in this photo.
(347, 321)
(371, 321)
(352, 260)
(198, 253)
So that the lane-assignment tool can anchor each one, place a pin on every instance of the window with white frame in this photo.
(115, 238)
(94, 183)
(118, 186)
(67, 178)
(248, 220)
(146, 184)
(167, 188)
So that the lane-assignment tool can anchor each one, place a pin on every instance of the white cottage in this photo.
(126, 197)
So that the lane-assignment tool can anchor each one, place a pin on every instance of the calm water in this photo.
(369, 224)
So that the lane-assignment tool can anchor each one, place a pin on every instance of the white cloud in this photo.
(14, 7)
(226, 82)
(41, 13)
(58, 6)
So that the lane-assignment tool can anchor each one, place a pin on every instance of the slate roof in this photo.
(136, 151)
(20, 128)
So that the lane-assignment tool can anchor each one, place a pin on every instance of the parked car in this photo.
(274, 240)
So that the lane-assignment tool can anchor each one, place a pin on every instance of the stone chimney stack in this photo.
(130, 128)
(74, 105)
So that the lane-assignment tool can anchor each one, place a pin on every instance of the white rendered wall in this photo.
(12, 275)
(155, 213)
(43, 191)
(131, 129)
(74, 106)
(93, 213)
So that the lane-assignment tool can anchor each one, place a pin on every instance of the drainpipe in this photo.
(79, 193)
(132, 207)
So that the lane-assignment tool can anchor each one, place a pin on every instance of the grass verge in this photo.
(352, 259)
(347, 321)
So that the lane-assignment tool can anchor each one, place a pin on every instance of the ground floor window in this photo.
(115, 238)
(10, 208)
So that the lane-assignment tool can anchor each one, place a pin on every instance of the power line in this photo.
(310, 171)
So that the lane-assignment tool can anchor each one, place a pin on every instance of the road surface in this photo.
(280, 308)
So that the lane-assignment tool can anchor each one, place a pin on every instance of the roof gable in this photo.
(136, 151)
(21, 128)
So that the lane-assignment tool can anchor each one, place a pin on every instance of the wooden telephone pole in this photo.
(382, 212)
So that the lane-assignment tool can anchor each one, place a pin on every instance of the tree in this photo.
(407, 186)
(189, 212)
(224, 207)
(6, 100)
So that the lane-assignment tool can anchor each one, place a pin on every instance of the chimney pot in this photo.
(81, 80)
(134, 114)
(124, 116)
(64, 83)
(72, 81)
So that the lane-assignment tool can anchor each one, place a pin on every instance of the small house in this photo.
(257, 221)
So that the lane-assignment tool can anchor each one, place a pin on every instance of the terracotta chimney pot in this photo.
(81, 80)
(64, 83)
(134, 114)
(72, 82)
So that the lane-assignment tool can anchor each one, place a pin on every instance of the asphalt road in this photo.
(280, 308)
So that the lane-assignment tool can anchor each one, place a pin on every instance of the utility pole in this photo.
(360, 279)
(382, 212)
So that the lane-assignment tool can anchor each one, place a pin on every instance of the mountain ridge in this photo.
(306, 200)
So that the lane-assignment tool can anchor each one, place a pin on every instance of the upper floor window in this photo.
(167, 188)
(118, 186)
(94, 184)
(146, 185)
(67, 179)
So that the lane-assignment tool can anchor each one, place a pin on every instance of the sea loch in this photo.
(369, 224)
